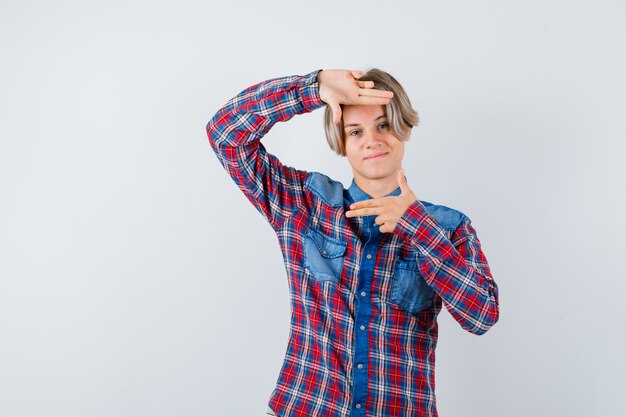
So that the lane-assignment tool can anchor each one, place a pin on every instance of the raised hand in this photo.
(389, 209)
(338, 87)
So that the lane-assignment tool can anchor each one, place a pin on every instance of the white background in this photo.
(136, 279)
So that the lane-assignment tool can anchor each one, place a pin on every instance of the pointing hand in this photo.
(389, 209)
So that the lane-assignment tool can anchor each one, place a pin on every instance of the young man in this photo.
(369, 267)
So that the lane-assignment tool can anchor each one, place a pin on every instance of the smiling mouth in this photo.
(377, 155)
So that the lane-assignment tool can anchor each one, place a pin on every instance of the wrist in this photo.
(322, 83)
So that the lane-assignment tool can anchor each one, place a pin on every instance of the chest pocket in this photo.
(323, 255)
(409, 290)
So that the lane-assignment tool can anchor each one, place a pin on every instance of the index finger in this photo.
(373, 202)
(372, 92)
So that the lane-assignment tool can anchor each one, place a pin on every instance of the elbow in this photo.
(484, 323)
(216, 136)
(211, 133)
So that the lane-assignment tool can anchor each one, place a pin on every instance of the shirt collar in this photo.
(356, 194)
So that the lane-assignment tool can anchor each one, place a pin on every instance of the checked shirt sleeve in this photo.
(455, 268)
(235, 132)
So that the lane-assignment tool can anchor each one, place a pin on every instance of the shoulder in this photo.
(331, 192)
(447, 217)
(325, 188)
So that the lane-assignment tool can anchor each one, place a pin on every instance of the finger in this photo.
(371, 101)
(336, 109)
(373, 202)
(372, 97)
(366, 84)
(378, 221)
(370, 92)
(404, 185)
(386, 228)
(356, 74)
(370, 211)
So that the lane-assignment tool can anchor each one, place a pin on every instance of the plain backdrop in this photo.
(136, 280)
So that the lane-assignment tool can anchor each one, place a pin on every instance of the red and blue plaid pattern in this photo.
(363, 303)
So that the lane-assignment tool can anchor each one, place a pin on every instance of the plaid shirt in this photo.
(364, 304)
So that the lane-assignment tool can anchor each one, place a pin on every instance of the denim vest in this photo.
(324, 255)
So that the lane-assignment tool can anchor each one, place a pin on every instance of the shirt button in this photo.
(369, 256)
(360, 366)
(358, 406)
(362, 327)
(363, 293)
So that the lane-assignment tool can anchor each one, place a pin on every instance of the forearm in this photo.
(455, 267)
(235, 133)
(247, 117)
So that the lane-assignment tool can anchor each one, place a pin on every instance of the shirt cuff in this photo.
(310, 91)
(421, 229)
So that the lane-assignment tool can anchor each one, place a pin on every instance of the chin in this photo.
(379, 175)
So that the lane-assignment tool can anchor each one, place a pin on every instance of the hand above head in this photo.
(338, 87)
(389, 209)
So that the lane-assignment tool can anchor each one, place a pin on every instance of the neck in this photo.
(377, 188)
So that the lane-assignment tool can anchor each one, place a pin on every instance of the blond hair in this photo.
(401, 115)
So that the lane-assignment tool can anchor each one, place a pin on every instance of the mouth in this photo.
(376, 155)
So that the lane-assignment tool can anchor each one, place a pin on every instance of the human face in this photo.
(373, 151)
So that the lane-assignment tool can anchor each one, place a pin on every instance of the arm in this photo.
(456, 268)
(235, 133)
(236, 130)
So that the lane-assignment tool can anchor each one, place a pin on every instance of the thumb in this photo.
(336, 108)
(404, 186)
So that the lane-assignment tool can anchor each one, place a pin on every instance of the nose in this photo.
(373, 139)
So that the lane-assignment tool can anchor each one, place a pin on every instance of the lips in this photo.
(376, 155)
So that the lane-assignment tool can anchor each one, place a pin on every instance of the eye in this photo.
(354, 132)
(383, 125)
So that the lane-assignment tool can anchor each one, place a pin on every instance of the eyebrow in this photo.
(382, 116)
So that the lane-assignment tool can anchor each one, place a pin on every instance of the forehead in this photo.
(359, 114)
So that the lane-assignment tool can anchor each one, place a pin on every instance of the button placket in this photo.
(363, 315)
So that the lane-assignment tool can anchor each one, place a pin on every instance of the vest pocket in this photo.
(323, 255)
(409, 290)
